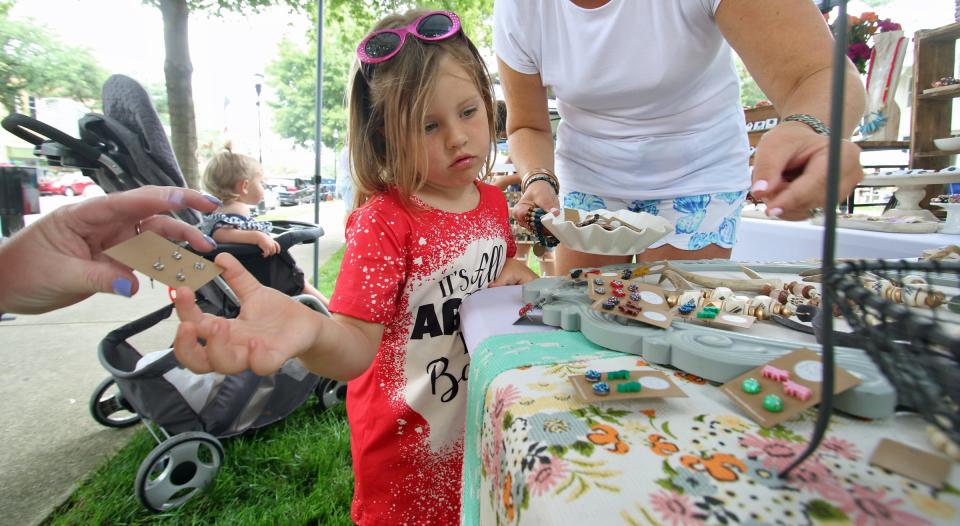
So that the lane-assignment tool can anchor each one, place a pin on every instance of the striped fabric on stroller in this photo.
(187, 414)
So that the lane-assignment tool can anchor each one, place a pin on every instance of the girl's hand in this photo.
(515, 272)
(58, 261)
(268, 246)
(790, 170)
(271, 328)
(539, 194)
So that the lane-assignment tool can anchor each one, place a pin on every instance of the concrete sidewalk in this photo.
(49, 369)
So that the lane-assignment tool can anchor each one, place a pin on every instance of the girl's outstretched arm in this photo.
(271, 329)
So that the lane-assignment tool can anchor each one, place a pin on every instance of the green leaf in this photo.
(666, 429)
(669, 486)
(668, 469)
(949, 490)
(557, 451)
(584, 448)
(824, 511)
(699, 418)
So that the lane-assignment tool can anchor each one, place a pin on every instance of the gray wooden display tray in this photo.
(714, 354)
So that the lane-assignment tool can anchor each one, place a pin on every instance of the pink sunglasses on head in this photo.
(380, 46)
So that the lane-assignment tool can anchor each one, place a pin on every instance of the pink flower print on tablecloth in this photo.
(814, 477)
(867, 507)
(675, 509)
(775, 454)
(503, 398)
(841, 448)
(546, 475)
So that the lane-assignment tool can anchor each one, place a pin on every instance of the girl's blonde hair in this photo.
(226, 170)
(388, 106)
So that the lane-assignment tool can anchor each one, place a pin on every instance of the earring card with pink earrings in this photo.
(793, 380)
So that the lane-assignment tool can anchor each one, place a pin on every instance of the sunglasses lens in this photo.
(381, 45)
(434, 26)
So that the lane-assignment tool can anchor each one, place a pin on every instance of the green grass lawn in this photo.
(294, 472)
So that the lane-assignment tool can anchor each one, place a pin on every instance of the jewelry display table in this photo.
(774, 240)
(536, 453)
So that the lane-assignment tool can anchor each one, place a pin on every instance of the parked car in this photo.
(290, 192)
(269, 202)
(69, 184)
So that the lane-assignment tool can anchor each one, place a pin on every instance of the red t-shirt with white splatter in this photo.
(410, 271)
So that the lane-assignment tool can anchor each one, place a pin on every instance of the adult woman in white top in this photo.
(650, 112)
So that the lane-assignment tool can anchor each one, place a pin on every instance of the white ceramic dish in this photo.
(948, 144)
(639, 231)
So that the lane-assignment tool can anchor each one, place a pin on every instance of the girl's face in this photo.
(252, 190)
(456, 133)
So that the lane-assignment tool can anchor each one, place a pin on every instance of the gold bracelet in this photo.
(540, 174)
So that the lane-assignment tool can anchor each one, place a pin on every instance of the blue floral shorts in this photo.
(699, 219)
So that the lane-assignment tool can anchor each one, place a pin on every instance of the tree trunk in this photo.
(178, 71)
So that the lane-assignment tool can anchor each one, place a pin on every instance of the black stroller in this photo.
(185, 412)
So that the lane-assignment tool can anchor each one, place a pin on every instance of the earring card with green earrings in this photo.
(626, 385)
(778, 390)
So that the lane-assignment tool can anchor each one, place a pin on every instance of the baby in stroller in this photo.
(237, 180)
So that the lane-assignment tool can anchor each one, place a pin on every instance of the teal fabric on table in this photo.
(496, 355)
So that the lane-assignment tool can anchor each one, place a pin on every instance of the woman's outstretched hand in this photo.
(790, 171)
(58, 260)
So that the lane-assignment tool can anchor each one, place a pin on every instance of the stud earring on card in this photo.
(158, 265)
(177, 255)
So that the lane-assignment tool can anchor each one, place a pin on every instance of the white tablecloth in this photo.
(771, 240)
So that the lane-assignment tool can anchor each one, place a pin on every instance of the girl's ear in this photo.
(242, 187)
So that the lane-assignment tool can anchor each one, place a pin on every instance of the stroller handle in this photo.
(295, 234)
(34, 132)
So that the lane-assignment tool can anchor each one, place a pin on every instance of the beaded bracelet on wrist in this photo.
(540, 174)
(543, 177)
(535, 220)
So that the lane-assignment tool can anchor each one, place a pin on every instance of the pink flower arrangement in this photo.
(862, 28)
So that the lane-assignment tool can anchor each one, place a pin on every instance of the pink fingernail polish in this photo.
(774, 212)
(760, 186)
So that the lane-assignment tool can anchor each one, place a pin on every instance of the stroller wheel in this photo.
(177, 470)
(330, 392)
(109, 408)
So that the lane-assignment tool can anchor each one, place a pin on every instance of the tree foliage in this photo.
(34, 62)
(292, 76)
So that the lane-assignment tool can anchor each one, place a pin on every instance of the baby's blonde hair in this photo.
(226, 170)
(388, 106)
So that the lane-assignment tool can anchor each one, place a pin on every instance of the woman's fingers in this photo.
(171, 228)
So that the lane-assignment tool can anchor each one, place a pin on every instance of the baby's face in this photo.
(254, 193)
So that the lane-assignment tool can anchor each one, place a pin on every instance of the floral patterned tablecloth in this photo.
(536, 454)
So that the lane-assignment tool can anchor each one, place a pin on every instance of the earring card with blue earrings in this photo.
(164, 261)
(596, 386)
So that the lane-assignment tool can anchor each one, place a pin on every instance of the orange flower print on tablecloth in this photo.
(660, 445)
(507, 496)
(720, 466)
(651, 413)
(605, 435)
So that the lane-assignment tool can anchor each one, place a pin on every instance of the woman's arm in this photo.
(787, 47)
(529, 136)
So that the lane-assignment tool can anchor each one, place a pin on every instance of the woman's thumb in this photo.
(108, 277)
